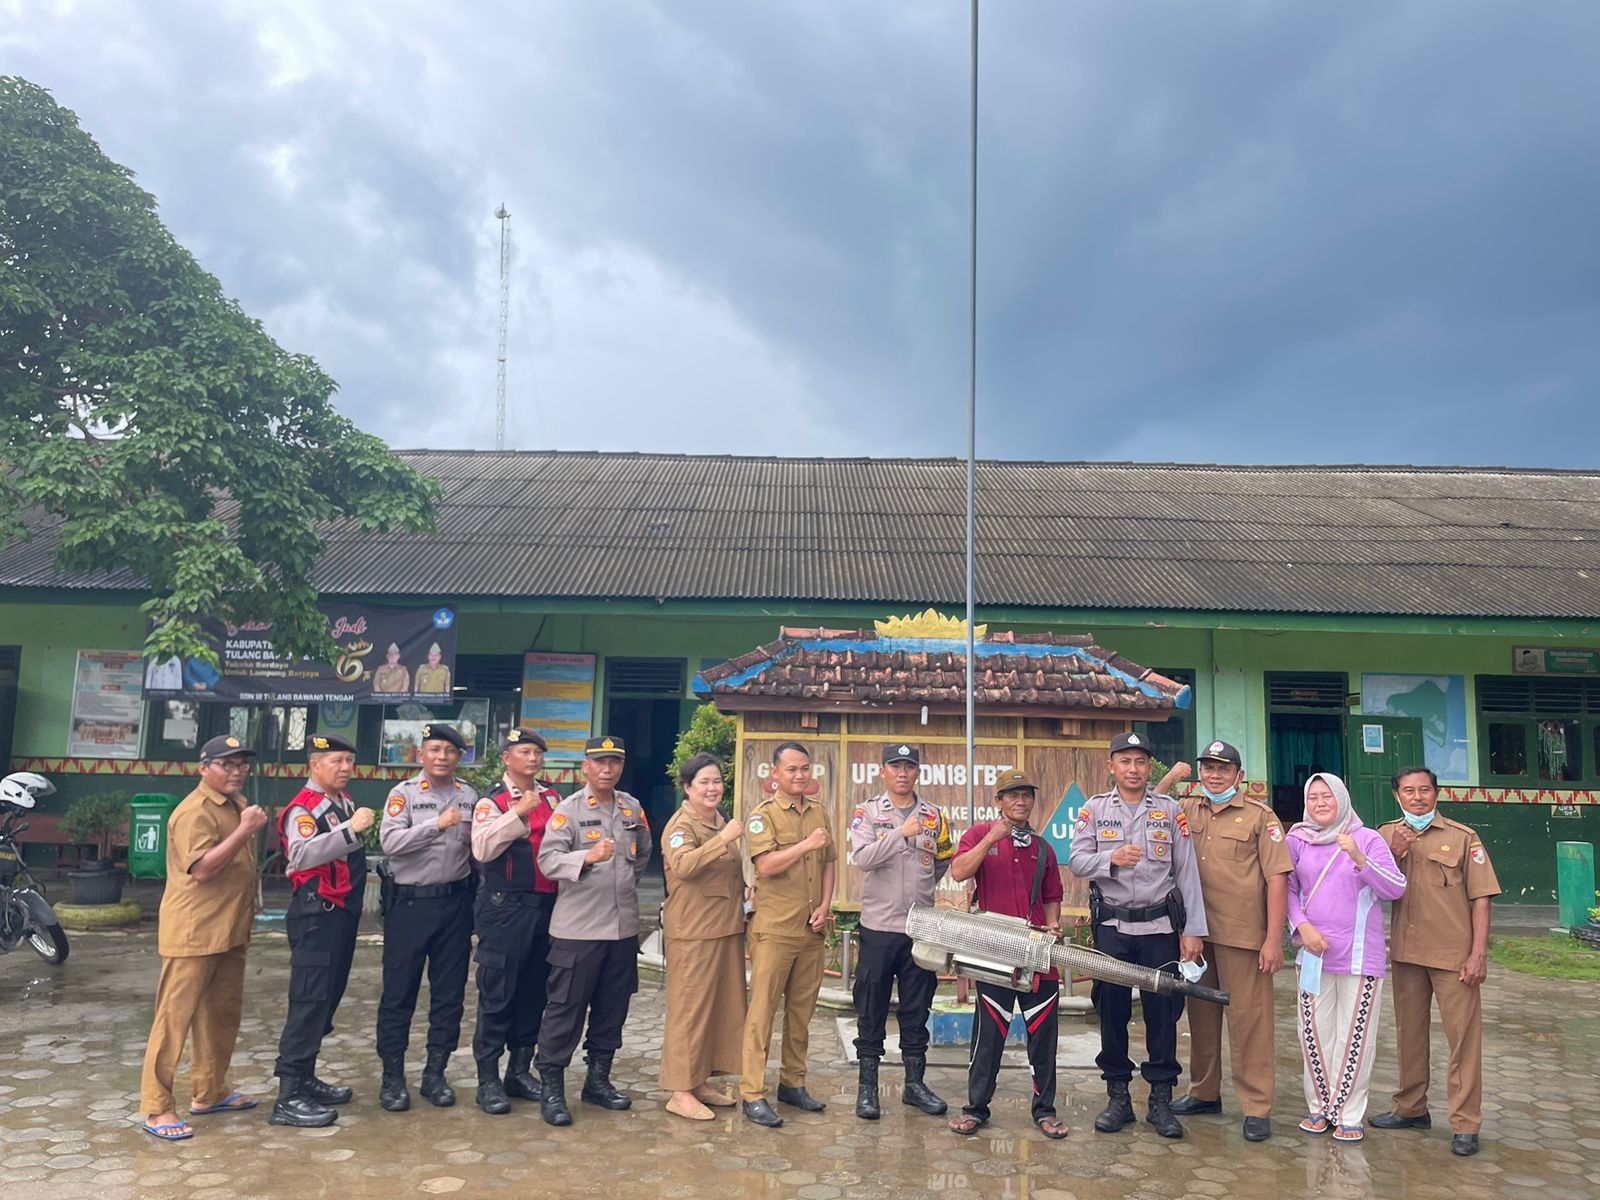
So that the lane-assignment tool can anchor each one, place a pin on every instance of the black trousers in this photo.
(436, 933)
(884, 958)
(513, 970)
(322, 943)
(991, 1020)
(1115, 1006)
(593, 978)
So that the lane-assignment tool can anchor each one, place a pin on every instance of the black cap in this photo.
(226, 746)
(902, 752)
(1130, 741)
(522, 737)
(605, 747)
(438, 731)
(1221, 752)
(323, 743)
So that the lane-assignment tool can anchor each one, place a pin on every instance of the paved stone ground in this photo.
(72, 1039)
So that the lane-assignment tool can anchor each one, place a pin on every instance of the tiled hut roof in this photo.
(1038, 674)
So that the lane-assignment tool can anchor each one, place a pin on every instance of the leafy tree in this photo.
(153, 420)
(709, 732)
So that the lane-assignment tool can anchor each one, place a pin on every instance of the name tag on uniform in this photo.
(587, 824)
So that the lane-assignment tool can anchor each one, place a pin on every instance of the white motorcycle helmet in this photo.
(23, 788)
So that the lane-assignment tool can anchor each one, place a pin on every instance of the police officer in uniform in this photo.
(1244, 875)
(426, 835)
(513, 922)
(1439, 950)
(792, 851)
(320, 832)
(903, 846)
(595, 847)
(1145, 906)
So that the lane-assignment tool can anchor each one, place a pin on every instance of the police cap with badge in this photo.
(225, 746)
(328, 743)
(522, 737)
(438, 731)
(902, 753)
(605, 747)
(1221, 752)
(1130, 741)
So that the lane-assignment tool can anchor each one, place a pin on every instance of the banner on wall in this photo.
(1438, 701)
(386, 656)
(107, 705)
(558, 700)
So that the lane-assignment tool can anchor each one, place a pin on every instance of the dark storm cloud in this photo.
(1230, 231)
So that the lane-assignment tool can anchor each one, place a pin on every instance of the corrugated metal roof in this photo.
(1333, 540)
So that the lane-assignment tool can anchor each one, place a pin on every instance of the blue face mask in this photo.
(1219, 797)
(1416, 822)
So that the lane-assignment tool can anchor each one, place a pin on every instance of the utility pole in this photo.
(504, 215)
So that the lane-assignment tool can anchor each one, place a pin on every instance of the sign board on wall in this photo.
(107, 705)
(1542, 660)
(558, 700)
(386, 656)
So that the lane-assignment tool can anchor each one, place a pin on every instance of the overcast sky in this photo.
(1234, 231)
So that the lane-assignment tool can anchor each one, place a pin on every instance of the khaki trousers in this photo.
(1461, 1012)
(787, 969)
(201, 997)
(1250, 1038)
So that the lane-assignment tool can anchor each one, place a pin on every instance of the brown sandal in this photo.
(1053, 1128)
(967, 1124)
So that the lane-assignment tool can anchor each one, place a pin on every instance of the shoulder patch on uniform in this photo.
(1083, 818)
(1183, 825)
(1478, 856)
(757, 825)
(482, 812)
(677, 840)
(305, 826)
(557, 821)
(1275, 832)
(397, 805)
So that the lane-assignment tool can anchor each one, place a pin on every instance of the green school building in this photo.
(1344, 619)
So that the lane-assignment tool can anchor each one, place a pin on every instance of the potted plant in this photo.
(100, 818)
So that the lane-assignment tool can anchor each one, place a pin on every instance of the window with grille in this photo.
(1539, 732)
(1308, 689)
(645, 677)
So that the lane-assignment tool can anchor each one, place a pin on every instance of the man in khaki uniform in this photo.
(206, 913)
(393, 676)
(1244, 876)
(792, 850)
(1439, 947)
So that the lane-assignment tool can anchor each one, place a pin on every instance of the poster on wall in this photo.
(1537, 660)
(401, 742)
(107, 705)
(1439, 701)
(558, 700)
(386, 656)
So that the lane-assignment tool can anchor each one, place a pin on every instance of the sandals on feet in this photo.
(176, 1132)
(232, 1102)
(1349, 1133)
(966, 1124)
(1315, 1123)
(1053, 1128)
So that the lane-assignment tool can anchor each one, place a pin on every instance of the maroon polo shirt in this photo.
(1005, 880)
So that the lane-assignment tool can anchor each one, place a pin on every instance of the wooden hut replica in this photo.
(1047, 703)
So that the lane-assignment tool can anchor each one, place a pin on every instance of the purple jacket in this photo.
(1345, 909)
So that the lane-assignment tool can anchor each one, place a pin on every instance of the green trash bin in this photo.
(147, 835)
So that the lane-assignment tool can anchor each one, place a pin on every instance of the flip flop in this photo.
(226, 1104)
(1315, 1123)
(1053, 1128)
(1349, 1133)
(967, 1124)
(161, 1134)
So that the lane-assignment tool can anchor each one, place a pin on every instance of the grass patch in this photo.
(1548, 957)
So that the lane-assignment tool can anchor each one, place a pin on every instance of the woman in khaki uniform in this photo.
(703, 926)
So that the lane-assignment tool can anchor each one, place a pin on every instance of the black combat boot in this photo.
(917, 1093)
(867, 1090)
(1160, 1112)
(392, 1093)
(521, 1082)
(597, 1087)
(326, 1093)
(553, 1103)
(296, 1108)
(1118, 1112)
(436, 1089)
(491, 1092)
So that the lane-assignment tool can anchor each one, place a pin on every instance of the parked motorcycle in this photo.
(25, 915)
